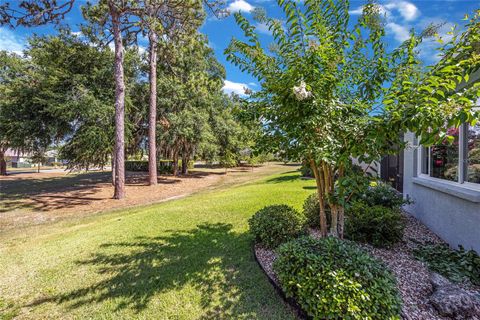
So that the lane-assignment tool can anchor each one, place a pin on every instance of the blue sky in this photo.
(401, 17)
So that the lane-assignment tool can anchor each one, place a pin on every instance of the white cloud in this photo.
(428, 49)
(142, 49)
(406, 9)
(356, 12)
(10, 42)
(240, 5)
(262, 28)
(382, 10)
(400, 33)
(235, 87)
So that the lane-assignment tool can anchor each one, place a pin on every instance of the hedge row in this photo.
(163, 166)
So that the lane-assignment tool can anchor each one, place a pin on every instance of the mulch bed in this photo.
(413, 276)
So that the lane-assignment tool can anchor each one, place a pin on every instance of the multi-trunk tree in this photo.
(322, 84)
(332, 92)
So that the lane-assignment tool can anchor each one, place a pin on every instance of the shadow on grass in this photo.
(46, 193)
(284, 178)
(81, 187)
(206, 258)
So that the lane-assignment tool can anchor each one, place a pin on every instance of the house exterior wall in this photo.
(447, 208)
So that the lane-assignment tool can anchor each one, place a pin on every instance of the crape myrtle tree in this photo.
(322, 83)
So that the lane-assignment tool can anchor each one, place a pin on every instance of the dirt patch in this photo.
(30, 198)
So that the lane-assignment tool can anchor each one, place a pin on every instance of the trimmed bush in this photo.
(306, 171)
(377, 225)
(383, 195)
(311, 210)
(274, 225)
(334, 279)
(163, 166)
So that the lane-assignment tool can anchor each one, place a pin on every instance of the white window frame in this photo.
(462, 160)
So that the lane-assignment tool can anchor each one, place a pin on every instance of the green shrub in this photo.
(457, 265)
(311, 210)
(383, 195)
(306, 171)
(163, 166)
(334, 279)
(377, 225)
(274, 225)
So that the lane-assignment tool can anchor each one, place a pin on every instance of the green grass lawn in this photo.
(185, 259)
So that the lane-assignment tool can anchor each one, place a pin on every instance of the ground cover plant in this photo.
(334, 279)
(188, 258)
(457, 265)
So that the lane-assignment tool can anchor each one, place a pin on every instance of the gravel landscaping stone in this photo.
(413, 277)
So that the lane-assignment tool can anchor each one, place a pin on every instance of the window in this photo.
(473, 154)
(458, 161)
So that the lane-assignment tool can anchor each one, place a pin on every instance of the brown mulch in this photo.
(413, 276)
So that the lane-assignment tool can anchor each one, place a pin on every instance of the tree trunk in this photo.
(321, 199)
(334, 222)
(38, 167)
(341, 221)
(175, 164)
(3, 164)
(341, 209)
(152, 122)
(184, 164)
(119, 105)
(113, 168)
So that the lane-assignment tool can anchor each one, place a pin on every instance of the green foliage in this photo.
(377, 225)
(311, 210)
(334, 279)
(276, 224)
(163, 166)
(439, 97)
(382, 194)
(321, 80)
(197, 118)
(64, 93)
(306, 171)
(457, 265)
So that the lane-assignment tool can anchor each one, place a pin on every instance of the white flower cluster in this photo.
(301, 92)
